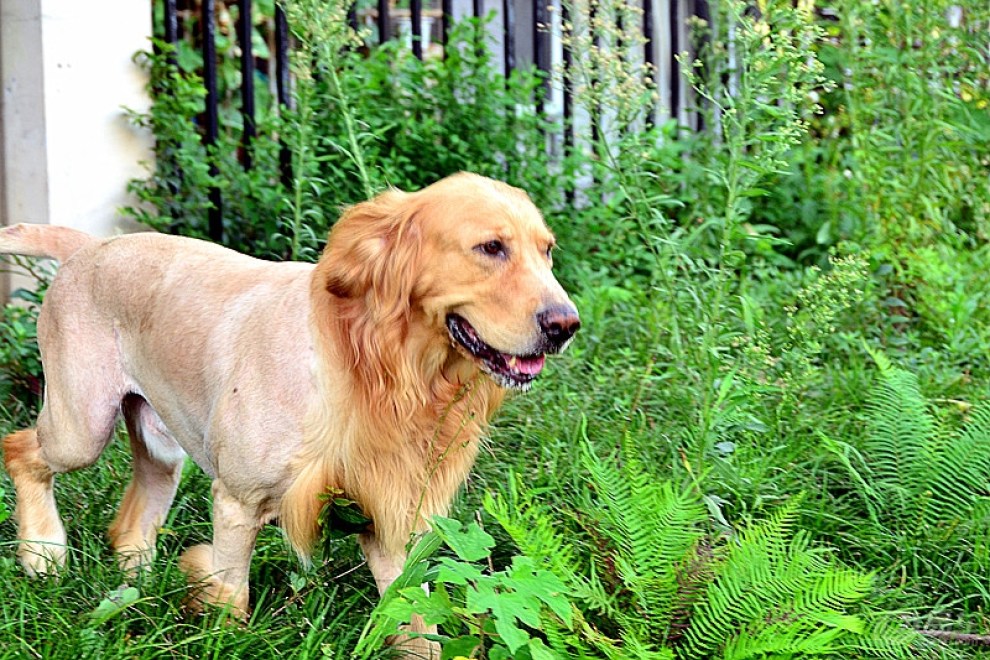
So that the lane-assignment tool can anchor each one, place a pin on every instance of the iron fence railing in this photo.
(664, 28)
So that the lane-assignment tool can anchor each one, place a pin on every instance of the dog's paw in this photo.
(206, 590)
(132, 560)
(415, 648)
(42, 559)
(418, 648)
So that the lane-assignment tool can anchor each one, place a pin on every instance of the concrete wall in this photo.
(66, 148)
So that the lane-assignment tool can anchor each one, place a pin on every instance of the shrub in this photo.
(359, 122)
(21, 378)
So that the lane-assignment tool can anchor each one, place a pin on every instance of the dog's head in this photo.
(467, 261)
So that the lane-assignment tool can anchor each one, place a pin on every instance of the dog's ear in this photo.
(372, 252)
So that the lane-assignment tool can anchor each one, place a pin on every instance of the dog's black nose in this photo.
(559, 323)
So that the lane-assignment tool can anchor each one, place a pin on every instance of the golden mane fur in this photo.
(391, 425)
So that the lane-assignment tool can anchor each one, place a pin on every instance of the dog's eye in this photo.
(492, 248)
(549, 252)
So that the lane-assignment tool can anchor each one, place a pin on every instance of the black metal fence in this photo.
(664, 28)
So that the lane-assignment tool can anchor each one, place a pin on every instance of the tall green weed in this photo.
(359, 122)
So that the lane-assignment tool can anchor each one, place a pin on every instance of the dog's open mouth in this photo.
(513, 371)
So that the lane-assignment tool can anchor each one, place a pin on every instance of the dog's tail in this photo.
(49, 241)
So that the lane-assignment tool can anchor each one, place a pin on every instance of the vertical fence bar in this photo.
(509, 35)
(541, 47)
(446, 15)
(619, 27)
(171, 27)
(180, 26)
(352, 17)
(215, 214)
(383, 21)
(244, 25)
(165, 158)
(416, 16)
(675, 68)
(478, 10)
(595, 112)
(568, 59)
(282, 88)
(648, 50)
(701, 10)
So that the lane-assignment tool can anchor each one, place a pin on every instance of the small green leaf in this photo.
(460, 646)
(435, 608)
(539, 650)
(397, 609)
(470, 545)
(499, 652)
(456, 572)
(506, 607)
(540, 585)
(297, 582)
(847, 622)
(341, 517)
(116, 602)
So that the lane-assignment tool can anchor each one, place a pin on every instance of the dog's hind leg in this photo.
(32, 458)
(74, 426)
(218, 573)
(42, 547)
(157, 460)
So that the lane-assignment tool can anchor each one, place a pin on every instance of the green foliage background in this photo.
(770, 439)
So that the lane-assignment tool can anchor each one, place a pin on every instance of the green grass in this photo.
(616, 387)
(296, 613)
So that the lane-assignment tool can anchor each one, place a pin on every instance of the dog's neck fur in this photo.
(412, 436)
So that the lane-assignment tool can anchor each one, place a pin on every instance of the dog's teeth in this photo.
(512, 362)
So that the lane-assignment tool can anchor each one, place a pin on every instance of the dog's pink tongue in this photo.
(529, 365)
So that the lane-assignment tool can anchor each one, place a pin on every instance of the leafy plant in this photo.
(758, 101)
(914, 81)
(657, 583)
(358, 121)
(21, 378)
(497, 610)
(4, 512)
(922, 483)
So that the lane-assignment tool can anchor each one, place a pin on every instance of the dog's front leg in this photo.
(386, 567)
(218, 573)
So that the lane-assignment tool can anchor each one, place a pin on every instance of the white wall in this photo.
(66, 148)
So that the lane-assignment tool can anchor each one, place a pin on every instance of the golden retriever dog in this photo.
(371, 373)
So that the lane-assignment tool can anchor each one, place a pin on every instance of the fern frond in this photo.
(901, 429)
(538, 535)
(781, 640)
(693, 578)
(654, 529)
(774, 594)
(960, 470)
(922, 474)
(591, 643)
(886, 637)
